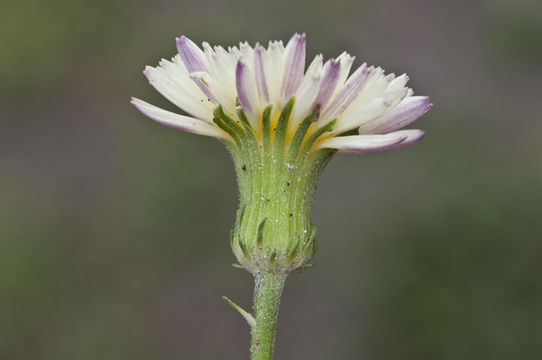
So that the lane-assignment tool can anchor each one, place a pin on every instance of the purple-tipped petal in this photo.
(363, 143)
(332, 70)
(194, 60)
(413, 136)
(261, 82)
(177, 121)
(305, 96)
(197, 77)
(403, 114)
(348, 93)
(178, 88)
(246, 91)
(346, 64)
(242, 86)
(373, 143)
(193, 57)
(294, 66)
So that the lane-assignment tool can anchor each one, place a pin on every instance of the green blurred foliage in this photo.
(43, 39)
(114, 230)
(468, 286)
(513, 34)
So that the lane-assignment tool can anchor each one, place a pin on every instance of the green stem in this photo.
(267, 293)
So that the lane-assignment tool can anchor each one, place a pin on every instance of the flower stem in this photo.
(267, 293)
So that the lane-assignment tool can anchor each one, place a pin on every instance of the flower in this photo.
(281, 125)
(368, 107)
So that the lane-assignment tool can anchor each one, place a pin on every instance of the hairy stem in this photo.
(267, 293)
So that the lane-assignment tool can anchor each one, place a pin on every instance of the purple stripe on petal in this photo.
(403, 114)
(203, 87)
(413, 136)
(404, 138)
(366, 149)
(176, 121)
(364, 143)
(348, 93)
(260, 73)
(241, 82)
(332, 70)
(194, 60)
(191, 55)
(294, 66)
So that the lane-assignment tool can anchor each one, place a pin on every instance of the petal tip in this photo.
(184, 44)
(182, 39)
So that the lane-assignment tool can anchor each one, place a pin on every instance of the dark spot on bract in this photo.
(291, 214)
(288, 183)
(244, 168)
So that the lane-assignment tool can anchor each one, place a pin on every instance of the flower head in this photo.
(281, 125)
(367, 107)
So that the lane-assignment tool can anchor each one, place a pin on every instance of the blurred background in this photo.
(114, 229)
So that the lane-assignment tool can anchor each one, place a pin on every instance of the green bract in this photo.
(277, 174)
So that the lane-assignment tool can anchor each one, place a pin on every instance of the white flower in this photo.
(368, 103)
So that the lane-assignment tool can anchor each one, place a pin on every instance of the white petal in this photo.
(294, 66)
(259, 73)
(177, 121)
(410, 109)
(195, 60)
(373, 86)
(180, 71)
(180, 90)
(344, 97)
(217, 91)
(246, 92)
(221, 67)
(330, 78)
(364, 113)
(346, 61)
(316, 88)
(413, 135)
(372, 143)
(247, 52)
(274, 67)
(193, 57)
(308, 91)
(398, 83)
